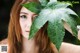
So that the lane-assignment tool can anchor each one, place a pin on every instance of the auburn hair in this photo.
(14, 32)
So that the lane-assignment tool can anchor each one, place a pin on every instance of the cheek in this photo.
(21, 25)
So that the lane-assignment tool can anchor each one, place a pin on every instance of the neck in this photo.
(29, 46)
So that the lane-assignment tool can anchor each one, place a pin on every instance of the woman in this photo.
(19, 28)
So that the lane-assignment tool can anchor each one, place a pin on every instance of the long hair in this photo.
(14, 32)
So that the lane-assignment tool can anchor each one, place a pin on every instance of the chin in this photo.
(26, 36)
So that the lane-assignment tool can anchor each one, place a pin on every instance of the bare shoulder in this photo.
(69, 48)
(5, 41)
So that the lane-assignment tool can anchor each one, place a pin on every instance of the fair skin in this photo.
(25, 20)
(69, 48)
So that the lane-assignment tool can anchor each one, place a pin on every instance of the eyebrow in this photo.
(23, 13)
(26, 13)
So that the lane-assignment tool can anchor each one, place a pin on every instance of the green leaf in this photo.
(43, 2)
(54, 13)
(32, 6)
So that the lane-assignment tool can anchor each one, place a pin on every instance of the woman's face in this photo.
(26, 17)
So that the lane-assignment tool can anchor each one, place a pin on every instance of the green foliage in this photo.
(55, 13)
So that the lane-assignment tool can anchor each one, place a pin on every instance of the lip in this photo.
(27, 31)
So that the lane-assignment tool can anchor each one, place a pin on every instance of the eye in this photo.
(23, 16)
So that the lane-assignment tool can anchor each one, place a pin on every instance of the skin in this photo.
(69, 48)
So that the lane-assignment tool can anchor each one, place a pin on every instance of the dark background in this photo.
(5, 8)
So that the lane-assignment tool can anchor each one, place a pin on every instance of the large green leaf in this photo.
(54, 13)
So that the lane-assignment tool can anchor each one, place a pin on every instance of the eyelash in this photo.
(23, 16)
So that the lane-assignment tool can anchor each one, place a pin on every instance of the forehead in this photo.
(25, 10)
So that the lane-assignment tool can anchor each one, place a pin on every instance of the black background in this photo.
(5, 8)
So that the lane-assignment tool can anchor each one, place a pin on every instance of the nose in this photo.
(28, 22)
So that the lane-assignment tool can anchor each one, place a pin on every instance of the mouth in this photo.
(27, 31)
